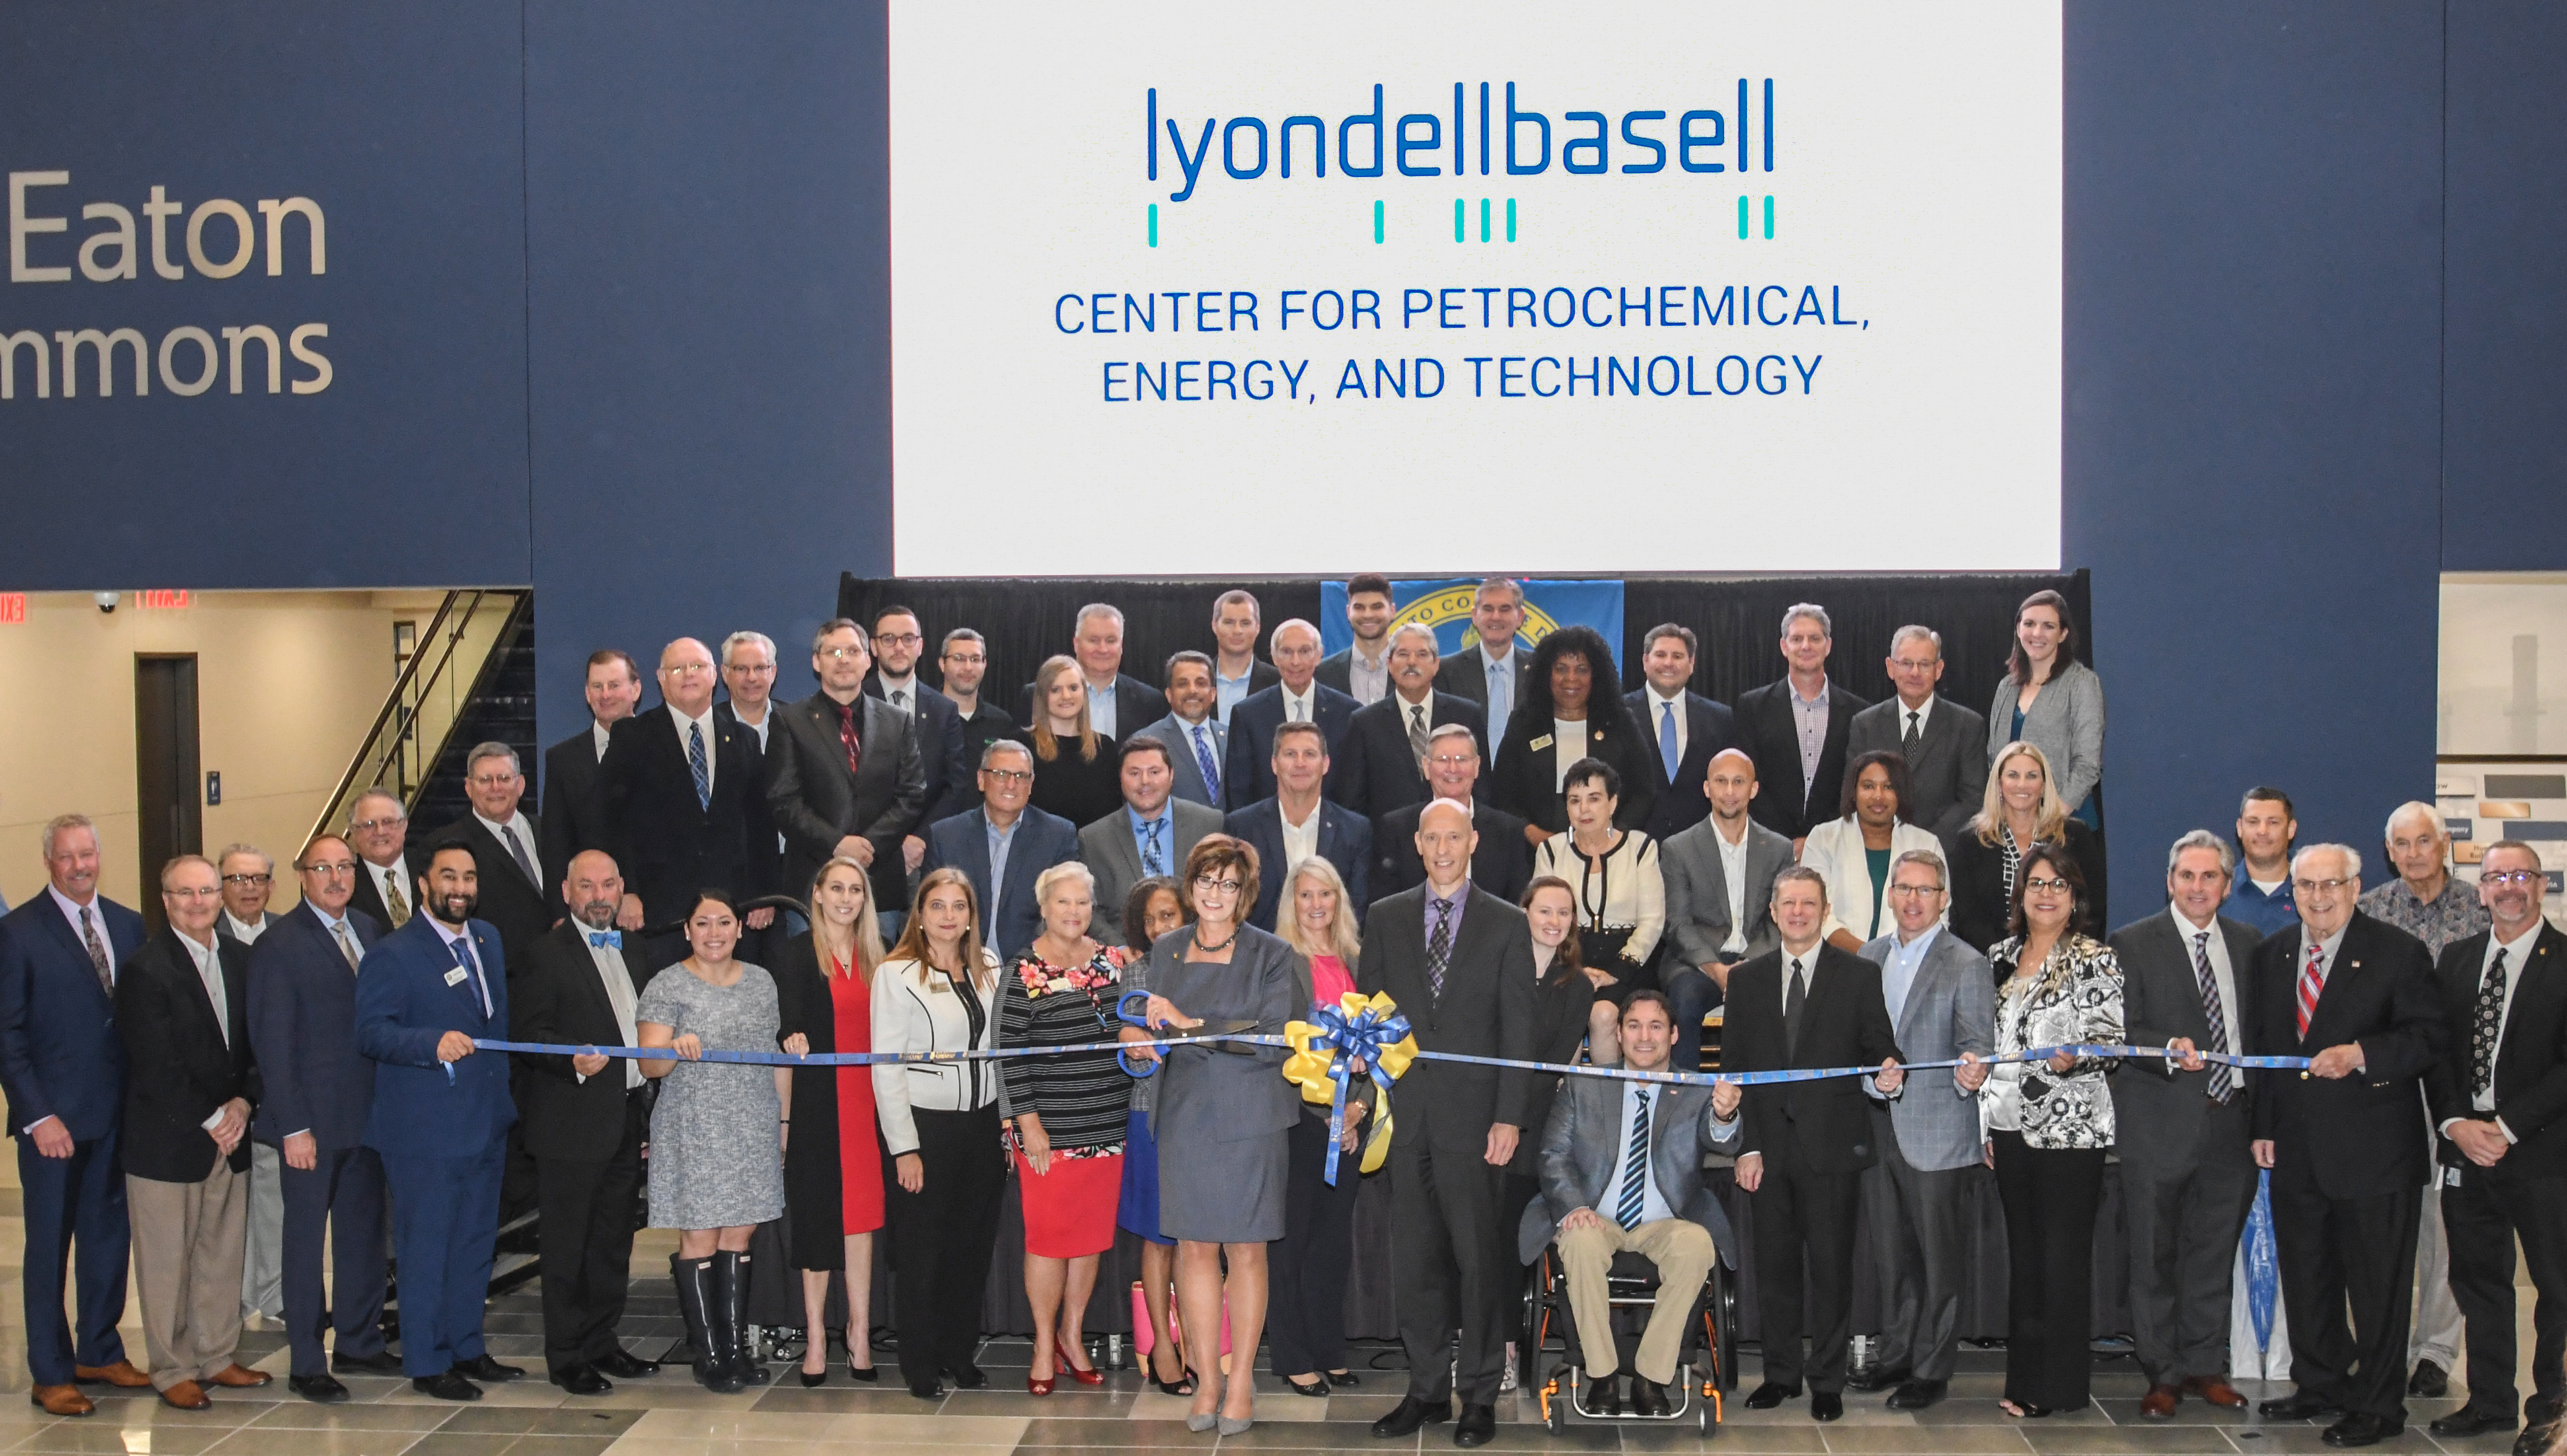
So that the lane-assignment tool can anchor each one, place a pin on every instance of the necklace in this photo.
(1213, 949)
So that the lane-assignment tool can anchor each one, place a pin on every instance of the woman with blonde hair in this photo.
(1310, 1263)
(833, 1171)
(2021, 809)
(937, 991)
(1077, 773)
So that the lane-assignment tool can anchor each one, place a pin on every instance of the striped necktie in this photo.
(696, 765)
(1635, 1164)
(1204, 761)
(2312, 981)
(2224, 1080)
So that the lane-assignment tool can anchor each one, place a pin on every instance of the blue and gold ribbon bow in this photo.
(1358, 1036)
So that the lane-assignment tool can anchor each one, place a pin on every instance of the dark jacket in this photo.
(1502, 864)
(2157, 1106)
(946, 755)
(1248, 764)
(1487, 1010)
(1525, 781)
(667, 844)
(1947, 777)
(1772, 736)
(303, 1031)
(59, 1055)
(1040, 841)
(814, 1195)
(1136, 704)
(1375, 772)
(1825, 1125)
(1345, 841)
(186, 1064)
(1980, 910)
(574, 815)
(817, 803)
(560, 998)
(1677, 804)
(2530, 1061)
(2357, 1135)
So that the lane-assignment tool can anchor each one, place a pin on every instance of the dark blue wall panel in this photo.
(2252, 380)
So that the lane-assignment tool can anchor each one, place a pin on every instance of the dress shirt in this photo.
(901, 693)
(1898, 973)
(619, 994)
(2454, 915)
(2222, 974)
(1809, 718)
(1653, 1203)
(758, 728)
(2325, 959)
(72, 911)
(1300, 841)
(1162, 829)
(385, 875)
(2516, 951)
(1000, 839)
(1733, 875)
(1100, 707)
(209, 970)
(1367, 679)
(1408, 711)
(1659, 707)
(1501, 674)
(1301, 708)
(479, 973)
(600, 735)
(246, 932)
(525, 833)
(713, 743)
(1225, 691)
(1925, 714)
(1460, 900)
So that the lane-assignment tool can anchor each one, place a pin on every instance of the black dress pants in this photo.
(1307, 1269)
(1453, 1273)
(940, 1239)
(1798, 1211)
(2483, 1216)
(2050, 1197)
(2335, 1251)
(587, 1242)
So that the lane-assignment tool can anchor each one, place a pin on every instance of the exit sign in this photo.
(163, 598)
(13, 606)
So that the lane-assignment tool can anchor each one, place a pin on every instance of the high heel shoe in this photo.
(1088, 1376)
(1045, 1386)
(870, 1374)
(1184, 1385)
(814, 1377)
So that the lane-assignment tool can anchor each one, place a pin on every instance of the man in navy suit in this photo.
(64, 1068)
(1682, 730)
(319, 1091)
(685, 795)
(1020, 841)
(440, 1118)
(1248, 773)
(1381, 764)
(1297, 822)
(1117, 702)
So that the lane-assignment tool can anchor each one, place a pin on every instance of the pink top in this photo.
(1329, 979)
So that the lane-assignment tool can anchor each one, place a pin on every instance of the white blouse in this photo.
(1834, 849)
(933, 1016)
(1617, 891)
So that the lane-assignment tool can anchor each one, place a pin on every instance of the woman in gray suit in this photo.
(1223, 1114)
(2055, 702)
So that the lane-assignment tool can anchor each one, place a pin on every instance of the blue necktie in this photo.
(464, 958)
(1636, 1165)
(1150, 861)
(613, 938)
(1502, 697)
(1203, 761)
(1667, 749)
(696, 765)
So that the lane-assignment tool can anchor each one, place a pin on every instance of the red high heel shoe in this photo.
(1083, 1375)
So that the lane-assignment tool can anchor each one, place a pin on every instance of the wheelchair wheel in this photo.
(1530, 1332)
(1724, 1313)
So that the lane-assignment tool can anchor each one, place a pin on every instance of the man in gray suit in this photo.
(1598, 1202)
(1198, 741)
(249, 877)
(1944, 743)
(1720, 891)
(2187, 1159)
(1941, 997)
(1150, 835)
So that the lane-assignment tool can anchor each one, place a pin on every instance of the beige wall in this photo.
(287, 683)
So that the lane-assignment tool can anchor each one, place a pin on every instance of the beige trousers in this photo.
(1681, 1249)
(188, 1249)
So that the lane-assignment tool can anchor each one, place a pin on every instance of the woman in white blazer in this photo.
(1855, 850)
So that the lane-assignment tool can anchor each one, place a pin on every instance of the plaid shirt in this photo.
(2454, 915)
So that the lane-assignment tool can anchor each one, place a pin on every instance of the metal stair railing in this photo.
(456, 649)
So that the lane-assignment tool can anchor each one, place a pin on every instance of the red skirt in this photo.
(1070, 1211)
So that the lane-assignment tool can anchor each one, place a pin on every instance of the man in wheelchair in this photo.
(1621, 1169)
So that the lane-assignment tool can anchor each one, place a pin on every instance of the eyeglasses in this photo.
(332, 867)
(2525, 878)
(186, 893)
(1454, 761)
(2319, 887)
(248, 879)
(2044, 883)
(966, 658)
(1011, 775)
(755, 669)
(841, 654)
(1907, 665)
(1917, 890)
(369, 826)
(899, 639)
(1212, 882)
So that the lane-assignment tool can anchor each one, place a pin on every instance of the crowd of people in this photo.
(890, 866)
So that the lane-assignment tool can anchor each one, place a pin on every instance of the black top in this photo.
(185, 1064)
(1078, 789)
(1560, 1004)
(1982, 902)
(1525, 779)
(1824, 1126)
(1082, 1096)
(814, 1191)
(2356, 1136)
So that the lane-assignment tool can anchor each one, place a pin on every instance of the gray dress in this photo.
(714, 1163)
(1221, 1116)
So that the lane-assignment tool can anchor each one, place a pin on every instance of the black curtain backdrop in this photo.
(1738, 619)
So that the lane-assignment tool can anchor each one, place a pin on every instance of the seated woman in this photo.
(717, 1172)
(1612, 873)
(1855, 850)
(1572, 710)
(1075, 772)
(2021, 809)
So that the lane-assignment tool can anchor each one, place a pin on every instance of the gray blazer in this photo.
(1948, 776)
(1174, 732)
(1698, 893)
(2156, 1104)
(2066, 723)
(1584, 1138)
(1205, 1092)
(1106, 848)
(1951, 1008)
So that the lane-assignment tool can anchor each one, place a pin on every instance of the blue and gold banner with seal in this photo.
(1359, 1036)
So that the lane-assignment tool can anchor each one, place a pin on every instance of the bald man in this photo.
(685, 795)
(1720, 887)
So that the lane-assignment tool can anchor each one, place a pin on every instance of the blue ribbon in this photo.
(1361, 1038)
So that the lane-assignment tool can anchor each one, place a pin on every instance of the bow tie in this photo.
(613, 938)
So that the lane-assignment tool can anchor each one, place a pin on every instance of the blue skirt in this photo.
(1139, 1210)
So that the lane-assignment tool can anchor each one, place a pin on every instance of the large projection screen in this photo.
(1697, 286)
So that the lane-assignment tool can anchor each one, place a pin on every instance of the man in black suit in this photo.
(1459, 962)
(962, 662)
(684, 800)
(1806, 1003)
(1235, 671)
(945, 753)
(2186, 1127)
(1297, 818)
(1117, 701)
(573, 818)
(586, 1119)
(1490, 669)
(1500, 864)
(1796, 727)
(1944, 743)
(1681, 730)
(379, 831)
(515, 897)
(1362, 671)
(2357, 997)
(2499, 1100)
(181, 1010)
(844, 774)
(316, 1091)
(1248, 762)
(1381, 766)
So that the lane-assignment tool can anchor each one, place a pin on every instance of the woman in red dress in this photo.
(833, 1165)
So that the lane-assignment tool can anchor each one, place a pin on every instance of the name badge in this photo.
(1543, 741)
(455, 976)
(938, 987)
(1058, 983)
(2451, 1177)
